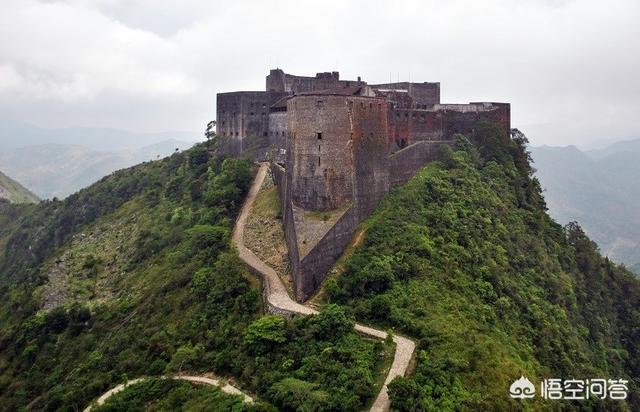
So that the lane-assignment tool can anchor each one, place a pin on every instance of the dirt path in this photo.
(207, 380)
(279, 300)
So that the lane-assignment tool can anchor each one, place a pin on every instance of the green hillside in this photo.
(14, 191)
(465, 259)
(134, 276)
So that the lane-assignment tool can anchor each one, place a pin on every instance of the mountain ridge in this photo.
(14, 192)
(598, 189)
(58, 170)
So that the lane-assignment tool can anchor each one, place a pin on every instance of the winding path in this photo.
(278, 299)
(207, 380)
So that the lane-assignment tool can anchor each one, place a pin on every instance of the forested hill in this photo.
(135, 276)
(465, 259)
(600, 190)
(14, 192)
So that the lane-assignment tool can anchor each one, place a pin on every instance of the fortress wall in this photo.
(320, 155)
(441, 122)
(371, 168)
(315, 265)
(279, 81)
(281, 179)
(463, 118)
(406, 162)
(278, 174)
(423, 94)
(243, 122)
(407, 126)
(278, 130)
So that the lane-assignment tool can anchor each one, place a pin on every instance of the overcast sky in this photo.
(569, 68)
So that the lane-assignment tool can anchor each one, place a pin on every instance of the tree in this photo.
(265, 332)
(331, 323)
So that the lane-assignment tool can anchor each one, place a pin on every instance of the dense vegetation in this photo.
(141, 280)
(172, 395)
(465, 259)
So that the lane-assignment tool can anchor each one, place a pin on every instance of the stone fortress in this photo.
(336, 147)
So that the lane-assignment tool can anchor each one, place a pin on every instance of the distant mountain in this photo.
(14, 192)
(626, 146)
(15, 134)
(57, 170)
(599, 189)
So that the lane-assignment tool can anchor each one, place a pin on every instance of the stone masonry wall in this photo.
(279, 81)
(322, 163)
(422, 95)
(281, 179)
(371, 169)
(314, 266)
(406, 162)
(243, 122)
(278, 130)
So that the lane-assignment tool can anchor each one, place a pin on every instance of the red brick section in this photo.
(278, 300)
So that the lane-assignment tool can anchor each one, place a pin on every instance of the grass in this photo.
(264, 233)
(17, 192)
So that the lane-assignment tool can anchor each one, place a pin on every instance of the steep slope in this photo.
(135, 276)
(465, 259)
(58, 170)
(599, 190)
(14, 191)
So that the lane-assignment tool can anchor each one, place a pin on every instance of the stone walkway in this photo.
(279, 301)
(207, 380)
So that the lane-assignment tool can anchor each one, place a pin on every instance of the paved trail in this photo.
(278, 298)
(207, 380)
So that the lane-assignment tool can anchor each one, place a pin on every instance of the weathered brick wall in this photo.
(322, 163)
(279, 81)
(278, 130)
(422, 95)
(371, 168)
(441, 122)
(407, 126)
(243, 122)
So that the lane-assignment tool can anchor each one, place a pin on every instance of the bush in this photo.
(263, 333)
(57, 320)
(331, 323)
(208, 240)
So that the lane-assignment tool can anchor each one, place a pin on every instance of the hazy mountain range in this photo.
(600, 190)
(16, 134)
(58, 162)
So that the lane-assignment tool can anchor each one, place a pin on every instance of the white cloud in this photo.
(567, 67)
